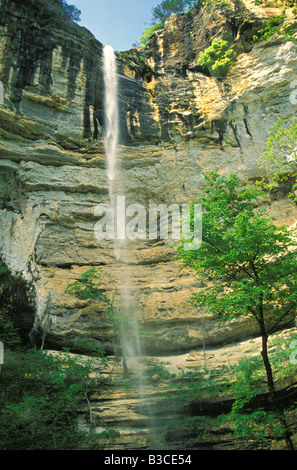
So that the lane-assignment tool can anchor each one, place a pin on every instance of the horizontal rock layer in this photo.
(164, 414)
(176, 123)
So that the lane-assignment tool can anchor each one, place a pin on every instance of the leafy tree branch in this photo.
(249, 262)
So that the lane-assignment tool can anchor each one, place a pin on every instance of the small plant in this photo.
(275, 25)
(109, 434)
(93, 285)
(251, 420)
(158, 371)
(149, 31)
(215, 2)
(86, 346)
(217, 58)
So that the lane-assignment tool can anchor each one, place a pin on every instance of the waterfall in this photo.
(111, 114)
(128, 319)
(129, 337)
(111, 137)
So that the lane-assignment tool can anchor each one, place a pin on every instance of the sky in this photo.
(118, 23)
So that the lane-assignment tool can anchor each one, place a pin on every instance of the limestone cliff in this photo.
(176, 122)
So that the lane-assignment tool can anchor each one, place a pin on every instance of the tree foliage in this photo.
(39, 398)
(71, 10)
(9, 334)
(254, 260)
(253, 421)
(250, 263)
(163, 11)
(86, 287)
(16, 309)
(40, 393)
(277, 25)
(280, 155)
(167, 7)
(149, 31)
(217, 58)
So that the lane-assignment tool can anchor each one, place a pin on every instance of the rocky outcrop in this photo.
(177, 121)
(51, 70)
(179, 410)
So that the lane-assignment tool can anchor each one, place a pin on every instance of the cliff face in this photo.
(52, 72)
(176, 122)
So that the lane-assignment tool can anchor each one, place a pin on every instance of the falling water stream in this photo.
(114, 177)
(130, 339)
(111, 115)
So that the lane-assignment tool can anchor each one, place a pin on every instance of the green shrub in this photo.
(14, 301)
(276, 25)
(217, 58)
(157, 370)
(39, 399)
(88, 347)
(149, 31)
(251, 420)
(9, 334)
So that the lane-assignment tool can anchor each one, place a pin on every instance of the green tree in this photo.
(250, 262)
(71, 10)
(163, 11)
(167, 7)
(280, 155)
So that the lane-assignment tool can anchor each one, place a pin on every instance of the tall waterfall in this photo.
(129, 336)
(128, 319)
(111, 112)
(111, 137)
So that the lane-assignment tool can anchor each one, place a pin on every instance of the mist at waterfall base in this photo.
(128, 322)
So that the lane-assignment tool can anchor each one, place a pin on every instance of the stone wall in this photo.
(176, 122)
